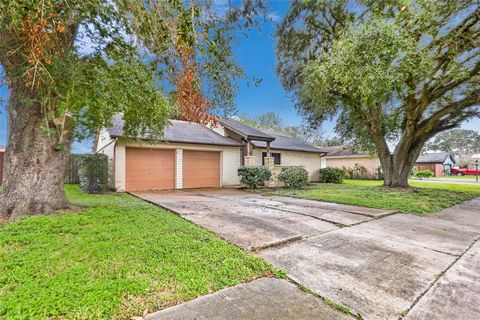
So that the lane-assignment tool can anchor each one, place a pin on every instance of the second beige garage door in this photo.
(149, 169)
(201, 169)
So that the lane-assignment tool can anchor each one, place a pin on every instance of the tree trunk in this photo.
(34, 169)
(395, 179)
(398, 166)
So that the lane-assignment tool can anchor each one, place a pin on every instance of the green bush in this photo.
(93, 172)
(254, 176)
(424, 174)
(294, 177)
(331, 175)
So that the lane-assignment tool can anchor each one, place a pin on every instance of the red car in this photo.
(471, 171)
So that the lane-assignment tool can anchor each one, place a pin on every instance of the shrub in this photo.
(379, 173)
(93, 172)
(358, 172)
(331, 175)
(254, 176)
(424, 174)
(294, 177)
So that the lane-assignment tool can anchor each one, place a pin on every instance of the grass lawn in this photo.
(114, 259)
(422, 199)
(453, 178)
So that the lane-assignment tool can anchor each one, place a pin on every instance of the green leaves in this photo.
(392, 72)
(130, 52)
(91, 91)
(360, 70)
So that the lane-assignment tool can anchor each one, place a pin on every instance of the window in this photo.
(277, 158)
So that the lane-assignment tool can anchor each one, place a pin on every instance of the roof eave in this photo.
(289, 149)
(248, 137)
(233, 145)
(350, 156)
(257, 138)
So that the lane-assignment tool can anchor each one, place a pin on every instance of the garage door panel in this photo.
(201, 169)
(149, 169)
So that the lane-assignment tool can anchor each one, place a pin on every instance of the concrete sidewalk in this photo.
(383, 268)
(375, 263)
(262, 299)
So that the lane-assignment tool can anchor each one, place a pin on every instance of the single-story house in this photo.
(285, 151)
(192, 155)
(347, 157)
(440, 163)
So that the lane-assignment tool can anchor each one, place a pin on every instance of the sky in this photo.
(256, 53)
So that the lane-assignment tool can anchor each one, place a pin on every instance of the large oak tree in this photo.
(70, 66)
(393, 72)
(462, 143)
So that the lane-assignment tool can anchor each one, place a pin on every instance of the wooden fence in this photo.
(71, 173)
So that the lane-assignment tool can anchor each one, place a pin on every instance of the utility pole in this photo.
(476, 170)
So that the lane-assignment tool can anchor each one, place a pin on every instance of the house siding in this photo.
(229, 161)
(370, 163)
(106, 146)
(310, 161)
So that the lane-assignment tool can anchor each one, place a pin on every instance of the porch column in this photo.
(119, 162)
(178, 168)
(249, 159)
(270, 164)
(268, 149)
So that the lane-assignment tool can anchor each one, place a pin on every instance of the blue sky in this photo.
(256, 54)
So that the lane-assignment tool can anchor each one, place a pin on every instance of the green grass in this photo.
(456, 178)
(423, 198)
(114, 259)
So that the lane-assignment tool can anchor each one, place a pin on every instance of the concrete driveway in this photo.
(378, 264)
(253, 221)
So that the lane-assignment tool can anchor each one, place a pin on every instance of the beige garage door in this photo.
(201, 169)
(149, 169)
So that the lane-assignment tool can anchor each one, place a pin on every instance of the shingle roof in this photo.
(342, 151)
(182, 132)
(246, 131)
(287, 143)
(437, 157)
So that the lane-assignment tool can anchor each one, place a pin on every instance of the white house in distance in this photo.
(196, 156)
(439, 163)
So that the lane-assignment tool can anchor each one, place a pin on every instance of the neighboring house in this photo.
(347, 157)
(440, 163)
(195, 156)
(2, 157)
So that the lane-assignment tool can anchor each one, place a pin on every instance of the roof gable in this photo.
(287, 143)
(247, 131)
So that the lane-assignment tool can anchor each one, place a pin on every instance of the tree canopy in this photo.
(84, 61)
(393, 72)
(459, 142)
